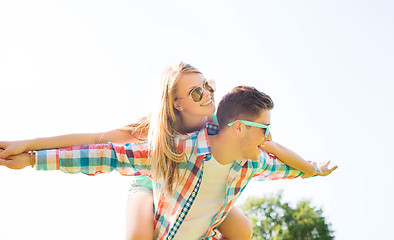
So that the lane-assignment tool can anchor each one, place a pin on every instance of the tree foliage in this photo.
(273, 219)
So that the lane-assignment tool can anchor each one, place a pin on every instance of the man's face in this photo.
(254, 137)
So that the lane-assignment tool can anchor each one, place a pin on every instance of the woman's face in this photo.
(185, 104)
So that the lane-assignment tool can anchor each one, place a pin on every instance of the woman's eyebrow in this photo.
(194, 86)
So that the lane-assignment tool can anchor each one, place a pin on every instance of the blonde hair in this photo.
(138, 129)
(163, 152)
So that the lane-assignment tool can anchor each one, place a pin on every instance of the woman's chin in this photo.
(211, 110)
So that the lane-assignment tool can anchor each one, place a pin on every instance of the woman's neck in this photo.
(190, 124)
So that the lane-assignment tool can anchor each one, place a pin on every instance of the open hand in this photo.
(324, 169)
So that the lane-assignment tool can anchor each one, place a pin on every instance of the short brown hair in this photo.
(242, 103)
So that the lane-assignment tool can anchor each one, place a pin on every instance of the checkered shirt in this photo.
(170, 211)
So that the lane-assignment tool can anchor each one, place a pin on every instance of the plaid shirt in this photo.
(170, 211)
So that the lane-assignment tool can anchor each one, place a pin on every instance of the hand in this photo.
(16, 162)
(324, 169)
(12, 148)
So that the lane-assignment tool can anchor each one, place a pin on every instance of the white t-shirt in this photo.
(208, 200)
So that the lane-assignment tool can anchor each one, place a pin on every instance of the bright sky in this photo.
(88, 66)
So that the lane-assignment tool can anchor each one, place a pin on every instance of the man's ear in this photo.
(178, 106)
(238, 127)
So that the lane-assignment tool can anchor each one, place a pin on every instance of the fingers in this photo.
(2, 159)
(324, 169)
(4, 163)
(3, 145)
(333, 168)
(14, 163)
(1, 153)
(314, 164)
(4, 154)
(326, 163)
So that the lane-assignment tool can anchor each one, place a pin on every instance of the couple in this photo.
(198, 171)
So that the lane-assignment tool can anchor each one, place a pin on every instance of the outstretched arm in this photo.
(129, 159)
(290, 158)
(272, 168)
(69, 140)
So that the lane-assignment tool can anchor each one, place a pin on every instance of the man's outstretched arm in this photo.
(290, 158)
(89, 159)
(272, 168)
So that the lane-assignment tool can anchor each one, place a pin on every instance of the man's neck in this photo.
(224, 148)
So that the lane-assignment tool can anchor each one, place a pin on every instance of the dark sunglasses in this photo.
(196, 93)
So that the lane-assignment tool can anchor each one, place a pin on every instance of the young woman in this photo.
(186, 105)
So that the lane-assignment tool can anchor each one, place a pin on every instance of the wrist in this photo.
(30, 145)
(312, 170)
(305, 175)
(32, 158)
(318, 171)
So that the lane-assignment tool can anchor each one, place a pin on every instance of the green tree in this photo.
(273, 219)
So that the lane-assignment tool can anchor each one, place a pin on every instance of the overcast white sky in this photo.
(87, 66)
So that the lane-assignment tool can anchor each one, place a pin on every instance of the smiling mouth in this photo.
(207, 102)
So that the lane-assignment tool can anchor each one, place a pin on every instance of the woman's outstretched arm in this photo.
(70, 140)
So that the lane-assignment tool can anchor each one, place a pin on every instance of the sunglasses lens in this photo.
(196, 94)
(210, 85)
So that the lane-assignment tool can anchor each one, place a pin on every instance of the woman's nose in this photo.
(206, 93)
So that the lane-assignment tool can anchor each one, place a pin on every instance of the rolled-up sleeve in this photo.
(271, 168)
(129, 159)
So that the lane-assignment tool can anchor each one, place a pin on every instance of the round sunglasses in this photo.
(197, 93)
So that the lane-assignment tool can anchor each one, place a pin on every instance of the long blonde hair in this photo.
(138, 129)
(163, 152)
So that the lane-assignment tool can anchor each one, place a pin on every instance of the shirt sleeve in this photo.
(271, 168)
(129, 159)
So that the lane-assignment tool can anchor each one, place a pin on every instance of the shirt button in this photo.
(169, 238)
(182, 215)
(193, 193)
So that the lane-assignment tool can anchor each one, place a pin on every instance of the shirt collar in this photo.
(203, 145)
(199, 139)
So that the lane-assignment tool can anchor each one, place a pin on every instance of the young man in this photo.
(217, 166)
